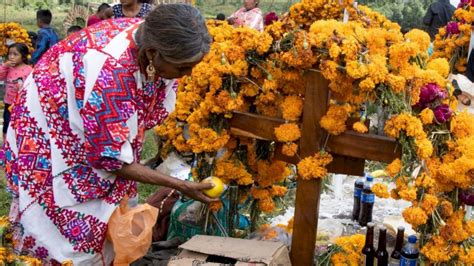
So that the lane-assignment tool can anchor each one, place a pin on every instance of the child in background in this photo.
(47, 37)
(73, 29)
(100, 15)
(14, 72)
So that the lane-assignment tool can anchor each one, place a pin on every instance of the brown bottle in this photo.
(397, 252)
(381, 255)
(368, 251)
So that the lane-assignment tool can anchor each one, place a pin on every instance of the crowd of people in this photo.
(81, 115)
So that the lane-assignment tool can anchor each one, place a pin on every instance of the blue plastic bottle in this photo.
(410, 253)
(367, 200)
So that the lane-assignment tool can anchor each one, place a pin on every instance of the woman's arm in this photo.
(143, 174)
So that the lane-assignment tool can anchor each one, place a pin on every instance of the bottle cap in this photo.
(382, 228)
(401, 228)
(370, 178)
(370, 225)
(412, 239)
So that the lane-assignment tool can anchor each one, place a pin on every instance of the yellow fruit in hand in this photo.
(378, 173)
(218, 188)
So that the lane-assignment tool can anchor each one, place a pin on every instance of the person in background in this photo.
(101, 14)
(470, 67)
(73, 29)
(249, 15)
(14, 72)
(129, 9)
(438, 15)
(270, 18)
(47, 37)
(220, 16)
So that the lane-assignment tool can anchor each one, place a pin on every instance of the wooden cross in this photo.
(349, 150)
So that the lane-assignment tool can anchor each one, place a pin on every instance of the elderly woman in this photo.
(249, 15)
(130, 9)
(73, 148)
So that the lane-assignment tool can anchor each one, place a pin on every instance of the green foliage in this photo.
(409, 14)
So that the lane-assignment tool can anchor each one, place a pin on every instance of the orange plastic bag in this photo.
(130, 231)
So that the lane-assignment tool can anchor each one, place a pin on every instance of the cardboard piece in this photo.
(204, 250)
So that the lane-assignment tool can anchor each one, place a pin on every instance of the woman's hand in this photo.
(144, 174)
(194, 191)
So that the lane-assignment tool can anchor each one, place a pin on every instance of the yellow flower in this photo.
(289, 149)
(424, 148)
(437, 250)
(446, 208)
(454, 228)
(288, 133)
(429, 203)
(408, 194)
(334, 121)
(360, 127)
(415, 216)
(421, 38)
(278, 191)
(467, 256)
(292, 107)
(313, 167)
(381, 191)
(439, 65)
(394, 167)
(427, 116)
(462, 125)
(266, 205)
(425, 181)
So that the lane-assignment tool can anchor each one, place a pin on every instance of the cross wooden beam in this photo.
(349, 150)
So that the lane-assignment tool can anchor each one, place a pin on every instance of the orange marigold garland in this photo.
(314, 167)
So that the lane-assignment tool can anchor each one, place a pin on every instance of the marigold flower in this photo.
(360, 127)
(278, 191)
(454, 228)
(437, 250)
(446, 208)
(427, 116)
(408, 194)
(381, 191)
(266, 205)
(334, 121)
(394, 167)
(288, 133)
(439, 65)
(429, 203)
(415, 216)
(289, 149)
(291, 108)
(313, 167)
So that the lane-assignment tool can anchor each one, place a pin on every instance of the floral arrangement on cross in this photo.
(12, 33)
(366, 61)
(452, 41)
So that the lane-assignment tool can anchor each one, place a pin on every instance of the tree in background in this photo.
(408, 13)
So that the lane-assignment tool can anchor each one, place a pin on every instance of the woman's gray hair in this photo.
(178, 32)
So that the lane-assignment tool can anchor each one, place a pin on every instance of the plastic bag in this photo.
(130, 231)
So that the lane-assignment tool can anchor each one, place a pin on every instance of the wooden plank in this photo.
(346, 165)
(257, 126)
(364, 146)
(308, 192)
(340, 164)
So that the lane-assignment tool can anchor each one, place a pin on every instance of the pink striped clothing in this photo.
(251, 18)
(13, 77)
